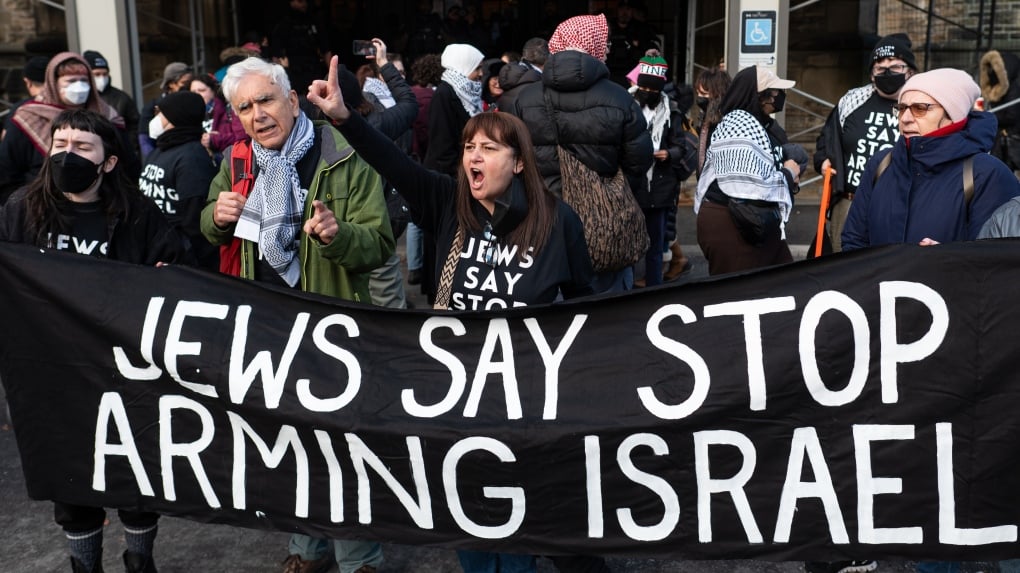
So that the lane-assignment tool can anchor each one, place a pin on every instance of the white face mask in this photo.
(156, 127)
(102, 82)
(77, 93)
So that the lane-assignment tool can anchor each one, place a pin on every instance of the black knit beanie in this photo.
(894, 46)
(183, 109)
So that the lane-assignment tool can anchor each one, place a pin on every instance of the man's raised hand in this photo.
(326, 95)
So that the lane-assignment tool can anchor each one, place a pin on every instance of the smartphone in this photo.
(364, 48)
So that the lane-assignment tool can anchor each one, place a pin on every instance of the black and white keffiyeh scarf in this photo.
(272, 214)
(468, 92)
(852, 100)
(741, 161)
(658, 122)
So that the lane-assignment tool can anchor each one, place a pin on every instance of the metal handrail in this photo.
(52, 4)
(996, 108)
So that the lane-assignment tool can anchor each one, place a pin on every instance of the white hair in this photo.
(254, 66)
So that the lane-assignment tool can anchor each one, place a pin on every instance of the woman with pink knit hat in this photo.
(938, 183)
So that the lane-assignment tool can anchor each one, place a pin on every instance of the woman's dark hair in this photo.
(491, 71)
(715, 81)
(212, 83)
(72, 67)
(427, 70)
(504, 128)
(46, 207)
(743, 94)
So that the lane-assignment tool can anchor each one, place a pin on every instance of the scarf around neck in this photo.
(658, 121)
(468, 92)
(272, 214)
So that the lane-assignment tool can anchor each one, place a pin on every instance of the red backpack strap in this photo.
(241, 178)
(241, 181)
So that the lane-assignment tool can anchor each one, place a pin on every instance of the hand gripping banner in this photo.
(859, 405)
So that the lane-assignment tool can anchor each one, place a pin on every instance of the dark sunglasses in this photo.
(916, 109)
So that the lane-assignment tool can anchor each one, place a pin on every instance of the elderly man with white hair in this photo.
(315, 218)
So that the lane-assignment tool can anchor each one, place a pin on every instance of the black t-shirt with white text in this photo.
(89, 232)
(868, 130)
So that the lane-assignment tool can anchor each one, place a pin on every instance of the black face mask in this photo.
(890, 83)
(648, 99)
(778, 101)
(72, 173)
(702, 103)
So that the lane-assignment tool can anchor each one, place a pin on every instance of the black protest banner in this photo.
(857, 405)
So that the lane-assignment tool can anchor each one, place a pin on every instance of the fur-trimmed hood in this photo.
(999, 72)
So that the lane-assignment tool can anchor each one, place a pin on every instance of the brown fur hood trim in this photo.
(993, 77)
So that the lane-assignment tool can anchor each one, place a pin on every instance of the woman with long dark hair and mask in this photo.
(750, 175)
(84, 202)
(69, 85)
(710, 88)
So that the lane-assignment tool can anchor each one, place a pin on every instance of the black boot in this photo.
(79, 567)
(138, 563)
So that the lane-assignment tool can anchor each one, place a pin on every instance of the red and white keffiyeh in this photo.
(590, 34)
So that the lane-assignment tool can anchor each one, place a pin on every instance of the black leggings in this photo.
(81, 518)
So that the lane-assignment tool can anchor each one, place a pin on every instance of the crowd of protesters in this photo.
(266, 171)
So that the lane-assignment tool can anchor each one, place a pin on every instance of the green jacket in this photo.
(353, 191)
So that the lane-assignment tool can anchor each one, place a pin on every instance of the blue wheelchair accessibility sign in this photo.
(759, 32)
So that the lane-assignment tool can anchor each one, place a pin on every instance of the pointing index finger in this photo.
(331, 77)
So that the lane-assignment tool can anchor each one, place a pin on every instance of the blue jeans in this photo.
(1010, 566)
(414, 246)
(938, 567)
(485, 562)
(350, 555)
(655, 220)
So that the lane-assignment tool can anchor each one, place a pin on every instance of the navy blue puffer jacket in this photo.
(920, 194)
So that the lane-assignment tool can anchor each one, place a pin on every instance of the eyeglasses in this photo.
(895, 68)
(916, 109)
(490, 256)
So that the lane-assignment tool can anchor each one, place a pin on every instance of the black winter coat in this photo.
(667, 175)
(597, 121)
(128, 109)
(512, 79)
(177, 180)
(447, 118)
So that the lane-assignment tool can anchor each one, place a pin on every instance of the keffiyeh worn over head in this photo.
(590, 34)
(469, 92)
(272, 215)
